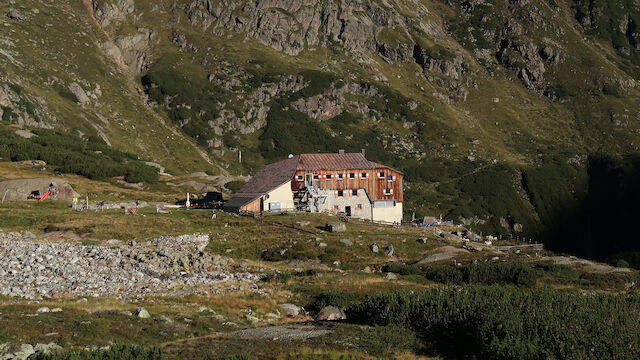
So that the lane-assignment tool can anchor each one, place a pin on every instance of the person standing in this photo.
(213, 214)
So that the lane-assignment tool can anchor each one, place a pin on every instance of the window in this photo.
(336, 208)
(275, 206)
(300, 178)
(352, 176)
(364, 175)
(340, 193)
(359, 207)
(316, 177)
(340, 176)
(354, 192)
(390, 178)
(388, 192)
(381, 175)
(328, 176)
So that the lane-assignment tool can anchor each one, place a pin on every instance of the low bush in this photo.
(497, 322)
(516, 273)
(128, 352)
(341, 299)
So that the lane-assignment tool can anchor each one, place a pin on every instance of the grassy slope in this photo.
(62, 42)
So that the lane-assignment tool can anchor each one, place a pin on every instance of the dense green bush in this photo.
(70, 154)
(496, 322)
(516, 273)
(115, 352)
(341, 299)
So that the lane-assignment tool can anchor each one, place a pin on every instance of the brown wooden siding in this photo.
(252, 207)
(372, 184)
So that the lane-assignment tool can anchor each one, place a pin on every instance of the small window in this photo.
(336, 208)
(359, 207)
(352, 176)
(354, 192)
(390, 178)
(381, 175)
(340, 176)
(364, 175)
(340, 193)
(328, 176)
(388, 192)
(316, 177)
(300, 178)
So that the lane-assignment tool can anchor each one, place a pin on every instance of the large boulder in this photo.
(290, 309)
(331, 313)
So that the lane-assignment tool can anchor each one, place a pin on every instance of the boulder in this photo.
(388, 250)
(336, 226)
(43, 309)
(347, 242)
(422, 240)
(142, 313)
(374, 248)
(14, 14)
(330, 313)
(290, 309)
(391, 276)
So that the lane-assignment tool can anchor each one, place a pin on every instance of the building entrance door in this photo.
(347, 210)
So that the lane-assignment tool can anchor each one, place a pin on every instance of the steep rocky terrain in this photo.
(493, 109)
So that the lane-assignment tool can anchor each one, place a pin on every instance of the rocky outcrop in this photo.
(290, 26)
(108, 12)
(255, 107)
(440, 60)
(133, 50)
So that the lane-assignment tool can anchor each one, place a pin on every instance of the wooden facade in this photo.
(377, 187)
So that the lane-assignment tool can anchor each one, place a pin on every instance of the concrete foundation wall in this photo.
(347, 200)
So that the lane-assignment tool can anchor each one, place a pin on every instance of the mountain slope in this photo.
(494, 110)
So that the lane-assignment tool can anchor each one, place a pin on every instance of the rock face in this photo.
(133, 50)
(109, 12)
(291, 26)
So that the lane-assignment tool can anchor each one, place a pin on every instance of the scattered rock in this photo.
(142, 313)
(79, 93)
(374, 248)
(347, 242)
(43, 309)
(422, 240)
(330, 313)
(388, 250)
(252, 319)
(322, 245)
(303, 223)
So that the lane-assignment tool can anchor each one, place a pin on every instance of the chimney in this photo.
(341, 151)
(363, 153)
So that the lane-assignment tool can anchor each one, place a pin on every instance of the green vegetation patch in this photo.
(70, 154)
(497, 322)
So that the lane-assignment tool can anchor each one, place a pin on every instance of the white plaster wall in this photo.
(343, 202)
(282, 195)
(388, 214)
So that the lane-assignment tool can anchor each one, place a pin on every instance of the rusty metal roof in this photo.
(348, 161)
